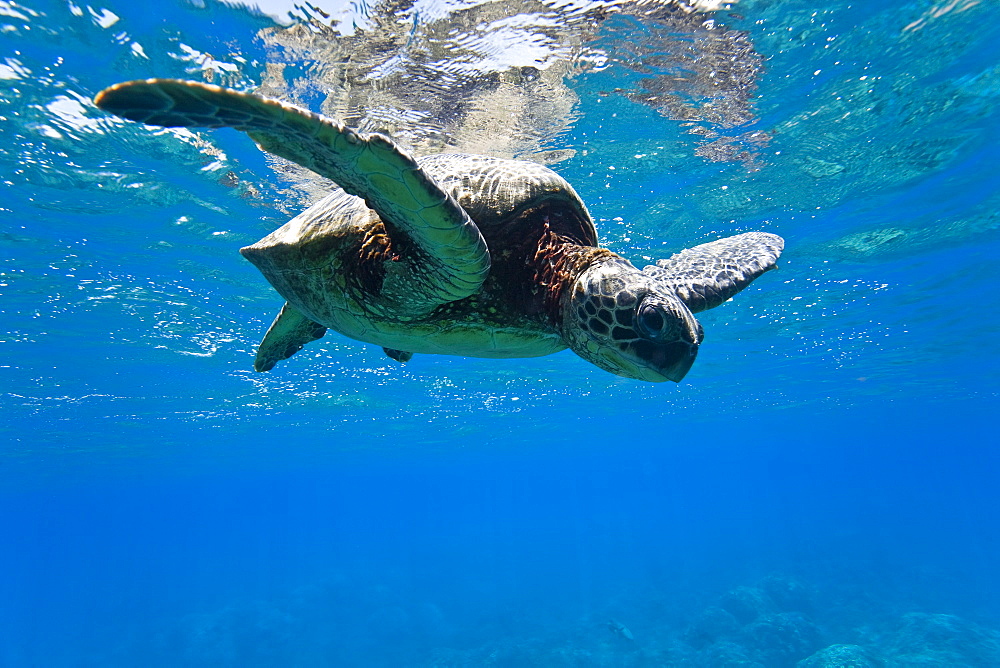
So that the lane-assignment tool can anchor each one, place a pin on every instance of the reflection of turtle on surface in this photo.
(470, 77)
(454, 254)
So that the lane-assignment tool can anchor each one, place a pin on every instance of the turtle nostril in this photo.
(693, 333)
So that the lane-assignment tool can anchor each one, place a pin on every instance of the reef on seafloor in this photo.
(776, 622)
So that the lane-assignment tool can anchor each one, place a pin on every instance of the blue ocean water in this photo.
(820, 489)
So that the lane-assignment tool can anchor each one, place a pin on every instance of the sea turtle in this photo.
(453, 254)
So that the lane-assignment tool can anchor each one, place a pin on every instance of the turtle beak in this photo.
(682, 355)
(670, 361)
(654, 363)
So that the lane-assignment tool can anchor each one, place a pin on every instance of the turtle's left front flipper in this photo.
(707, 275)
(451, 259)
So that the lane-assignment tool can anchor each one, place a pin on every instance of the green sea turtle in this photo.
(453, 254)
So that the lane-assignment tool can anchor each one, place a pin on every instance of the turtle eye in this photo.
(650, 319)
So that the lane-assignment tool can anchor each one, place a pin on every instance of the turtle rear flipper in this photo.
(707, 275)
(398, 355)
(287, 334)
(451, 259)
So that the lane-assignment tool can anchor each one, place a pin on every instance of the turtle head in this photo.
(626, 322)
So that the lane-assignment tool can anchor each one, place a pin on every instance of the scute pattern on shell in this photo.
(493, 190)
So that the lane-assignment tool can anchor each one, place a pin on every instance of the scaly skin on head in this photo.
(614, 316)
(639, 324)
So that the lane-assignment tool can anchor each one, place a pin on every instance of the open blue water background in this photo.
(826, 474)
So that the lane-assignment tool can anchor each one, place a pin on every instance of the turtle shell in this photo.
(497, 192)
(332, 260)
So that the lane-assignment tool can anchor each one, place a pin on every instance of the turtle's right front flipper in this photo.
(707, 275)
(451, 260)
